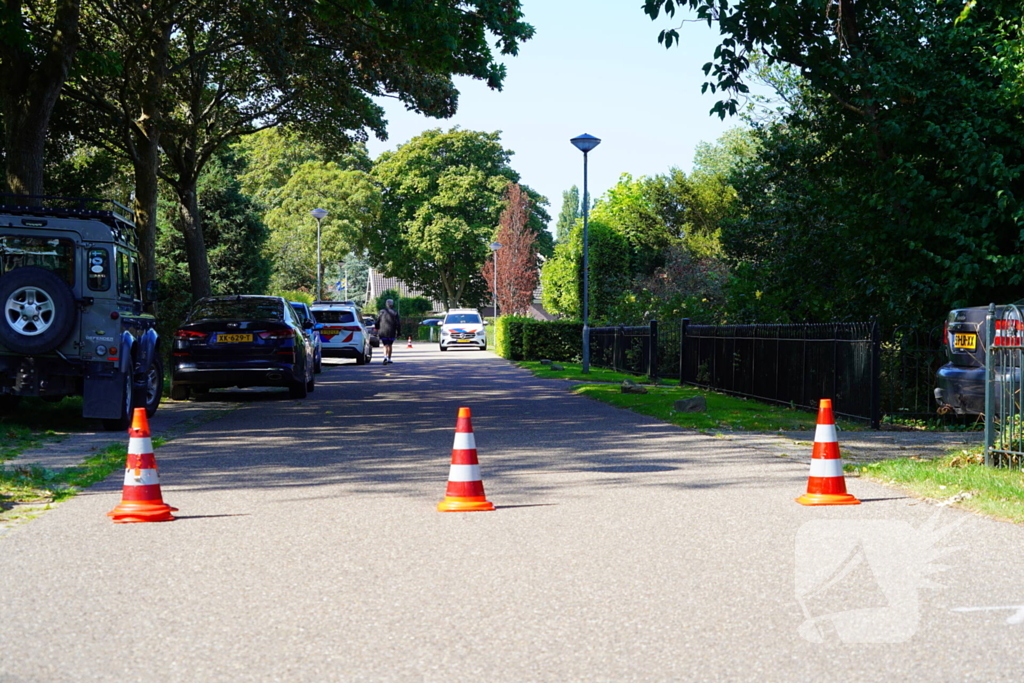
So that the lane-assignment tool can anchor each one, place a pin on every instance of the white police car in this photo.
(463, 327)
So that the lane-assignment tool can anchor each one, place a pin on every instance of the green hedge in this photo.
(519, 338)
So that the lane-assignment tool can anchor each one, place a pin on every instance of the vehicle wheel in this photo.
(484, 347)
(361, 359)
(179, 392)
(149, 397)
(297, 390)
(38, 310)
(124, 421)
(311, 383)
(441, 347)
(9, 403)
(318, 367)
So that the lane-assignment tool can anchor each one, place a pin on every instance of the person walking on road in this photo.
(389, 326)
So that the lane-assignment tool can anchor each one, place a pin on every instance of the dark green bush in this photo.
(554, 339)
(520, 338)
(508, 336)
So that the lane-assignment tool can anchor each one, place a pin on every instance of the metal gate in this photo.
(1004, 347)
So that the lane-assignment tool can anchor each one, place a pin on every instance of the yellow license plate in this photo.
(965, 341)
(234, 338)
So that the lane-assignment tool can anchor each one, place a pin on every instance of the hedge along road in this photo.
(308, 548)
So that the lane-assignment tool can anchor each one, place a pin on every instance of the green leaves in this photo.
(442, 200)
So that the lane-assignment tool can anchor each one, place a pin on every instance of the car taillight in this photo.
(350, 328)
(275, 334)
(190, 335)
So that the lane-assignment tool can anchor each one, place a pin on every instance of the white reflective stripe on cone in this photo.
(825, 434)
(826, 467)
(464, 441)
(145, 478)
(140, 445)
(464, 473)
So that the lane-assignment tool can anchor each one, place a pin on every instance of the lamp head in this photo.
(318, 214)
(585, 143)
(495, 246)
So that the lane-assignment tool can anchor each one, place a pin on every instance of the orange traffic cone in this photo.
(141, 500)
(465, 489)
(409, 345)
(826, 485)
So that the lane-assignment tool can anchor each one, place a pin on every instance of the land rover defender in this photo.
(73, 318)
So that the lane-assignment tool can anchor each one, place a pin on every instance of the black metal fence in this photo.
(790, 364)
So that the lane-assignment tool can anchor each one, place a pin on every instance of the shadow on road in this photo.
(391, 428)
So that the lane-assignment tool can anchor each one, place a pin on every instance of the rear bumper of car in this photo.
(214, 375)
(961, 389)
(342, 352)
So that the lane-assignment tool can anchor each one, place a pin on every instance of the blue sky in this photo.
(593, 67)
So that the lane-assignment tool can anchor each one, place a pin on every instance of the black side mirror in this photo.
(153, 291)
(308, 324)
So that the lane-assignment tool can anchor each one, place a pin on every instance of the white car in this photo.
(341, 330)
(463, 327)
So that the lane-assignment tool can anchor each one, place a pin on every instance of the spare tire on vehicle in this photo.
(37, 310)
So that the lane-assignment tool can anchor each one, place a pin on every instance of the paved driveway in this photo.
(308, 548)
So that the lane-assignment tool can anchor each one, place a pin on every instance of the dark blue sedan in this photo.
(242, 341)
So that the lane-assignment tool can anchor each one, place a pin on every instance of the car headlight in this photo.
(479, 333)
(444, 333)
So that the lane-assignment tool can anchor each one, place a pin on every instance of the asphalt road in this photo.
(308, 548)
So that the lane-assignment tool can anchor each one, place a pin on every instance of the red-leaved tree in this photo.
(517, 258)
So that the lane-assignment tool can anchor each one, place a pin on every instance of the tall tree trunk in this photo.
(30, 92)
(144, 147)
(146, 162)
(195, 243)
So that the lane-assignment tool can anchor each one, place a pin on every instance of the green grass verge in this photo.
(27, 490)
(724, 413)
(33, 422)
(574, 372)
(960, 479)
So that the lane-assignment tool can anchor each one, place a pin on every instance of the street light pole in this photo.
(495, 246)
(319, 215)
(585, 143)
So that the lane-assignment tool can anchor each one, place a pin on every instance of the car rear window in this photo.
(240, 309)
(335, 316)
(50, 253)
(461, 318)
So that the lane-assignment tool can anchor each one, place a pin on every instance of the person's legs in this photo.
(387, 344)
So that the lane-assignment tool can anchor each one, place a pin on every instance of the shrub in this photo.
(521, 338)
(299, 295)
(555, 339)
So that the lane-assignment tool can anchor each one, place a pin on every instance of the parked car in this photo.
(960, 383)
(370, 323)
(342, 332)
(74, 316)
(242, 341)
(463, 327)
(313, 333)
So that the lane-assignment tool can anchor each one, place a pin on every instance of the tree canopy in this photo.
(892, 187)
(442, 199)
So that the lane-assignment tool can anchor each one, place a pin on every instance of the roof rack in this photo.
(65, 207)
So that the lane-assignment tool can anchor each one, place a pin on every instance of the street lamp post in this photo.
(495, 246)
(319, 215)
(585, 143)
